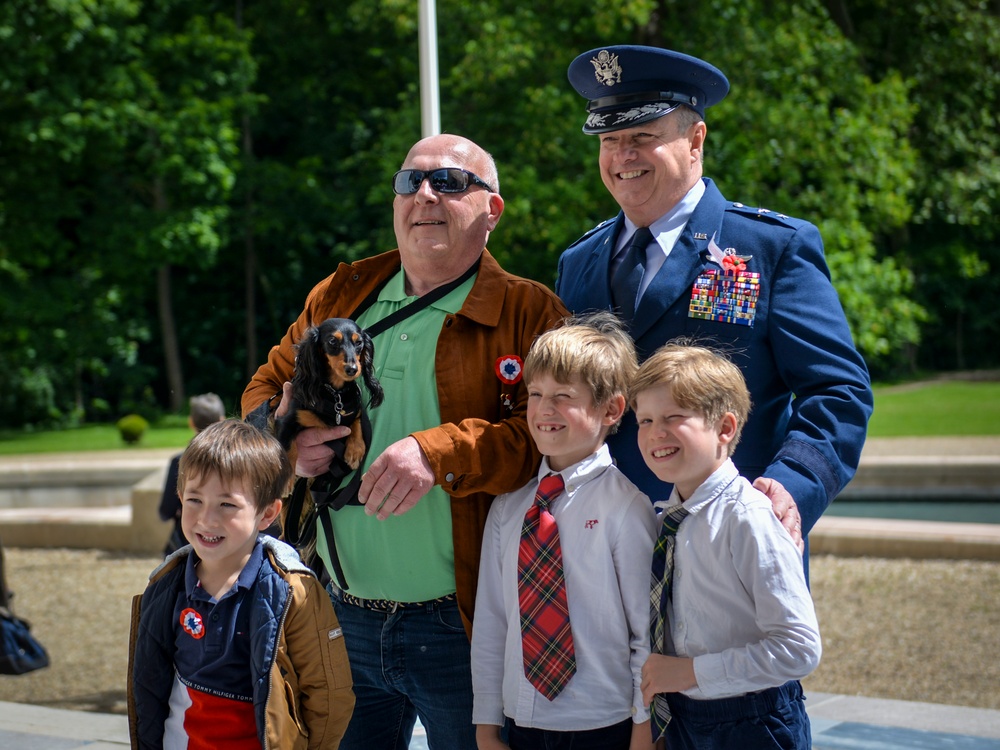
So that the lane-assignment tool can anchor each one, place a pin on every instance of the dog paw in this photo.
(353, 455)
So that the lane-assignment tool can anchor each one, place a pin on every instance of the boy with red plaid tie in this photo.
(562, 613)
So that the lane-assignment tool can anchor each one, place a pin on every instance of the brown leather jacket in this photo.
(483, 447)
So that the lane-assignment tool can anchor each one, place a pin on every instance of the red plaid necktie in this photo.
(546, 638)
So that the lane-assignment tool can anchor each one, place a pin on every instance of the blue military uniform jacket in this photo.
(788, 337)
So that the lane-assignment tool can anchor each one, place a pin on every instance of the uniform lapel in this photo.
(597, 273)
(688, 258)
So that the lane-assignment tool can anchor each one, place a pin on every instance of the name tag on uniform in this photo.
(725, 297)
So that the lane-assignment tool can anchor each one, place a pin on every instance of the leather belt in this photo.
(388, 605)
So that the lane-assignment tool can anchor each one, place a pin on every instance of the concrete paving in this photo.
(839, 722)
(929, 469)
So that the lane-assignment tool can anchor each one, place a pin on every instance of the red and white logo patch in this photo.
(192, 623)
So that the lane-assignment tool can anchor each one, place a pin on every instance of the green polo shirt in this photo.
(407, 558)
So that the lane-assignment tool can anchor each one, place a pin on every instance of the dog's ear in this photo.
(368, 372)
(310, 364)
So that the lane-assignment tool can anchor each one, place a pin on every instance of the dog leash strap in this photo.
(331, 548)
(414, 307)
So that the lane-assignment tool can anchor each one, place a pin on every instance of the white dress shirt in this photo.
(741, 606)
(606, 533)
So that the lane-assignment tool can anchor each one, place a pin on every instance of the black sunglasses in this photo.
(444, 180)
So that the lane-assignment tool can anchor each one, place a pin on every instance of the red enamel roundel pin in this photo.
(508, 367)
(192, 623)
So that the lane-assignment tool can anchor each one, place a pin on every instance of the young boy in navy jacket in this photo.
(235, 643)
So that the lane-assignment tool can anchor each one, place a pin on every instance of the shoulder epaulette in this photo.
(592, 232)
(765, 214)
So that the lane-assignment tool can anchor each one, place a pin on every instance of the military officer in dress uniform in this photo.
(750, 281)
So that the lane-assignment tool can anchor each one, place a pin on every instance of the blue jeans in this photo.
(410, 663)
(773, 719)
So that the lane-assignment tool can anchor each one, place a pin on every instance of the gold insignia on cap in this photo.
(606, 68)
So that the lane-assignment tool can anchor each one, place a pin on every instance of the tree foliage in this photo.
(157, 160)
(949, 52)
(118, 156)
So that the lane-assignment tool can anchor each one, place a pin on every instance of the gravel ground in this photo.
(911, 630)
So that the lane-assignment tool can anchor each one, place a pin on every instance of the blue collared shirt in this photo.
(212, 637)
(665, 231)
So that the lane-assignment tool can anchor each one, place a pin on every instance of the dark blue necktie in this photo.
(628, 277)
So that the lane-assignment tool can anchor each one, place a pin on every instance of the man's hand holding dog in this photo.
(314, 455)
(396, 480)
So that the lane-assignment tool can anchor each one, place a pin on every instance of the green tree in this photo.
(949, 52)
(118, 155)
(175, 176)
(808, 132)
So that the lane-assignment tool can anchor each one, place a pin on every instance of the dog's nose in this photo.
(351, 368)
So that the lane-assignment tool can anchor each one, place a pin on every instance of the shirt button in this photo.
(403, 337)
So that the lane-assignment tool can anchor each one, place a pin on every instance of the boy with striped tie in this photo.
(733, 627)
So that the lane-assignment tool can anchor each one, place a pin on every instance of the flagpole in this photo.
(430, 108)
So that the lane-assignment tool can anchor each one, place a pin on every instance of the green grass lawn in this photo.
(918, 409)
(90, 438)
(936, 408)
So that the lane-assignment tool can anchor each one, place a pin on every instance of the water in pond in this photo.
(975, 511)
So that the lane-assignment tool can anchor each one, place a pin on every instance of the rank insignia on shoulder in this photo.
(591, 232)
(764, 214)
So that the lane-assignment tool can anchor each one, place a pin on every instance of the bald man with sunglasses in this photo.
(450, 435)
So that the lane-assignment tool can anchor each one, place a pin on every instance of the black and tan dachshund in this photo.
(329, 359)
